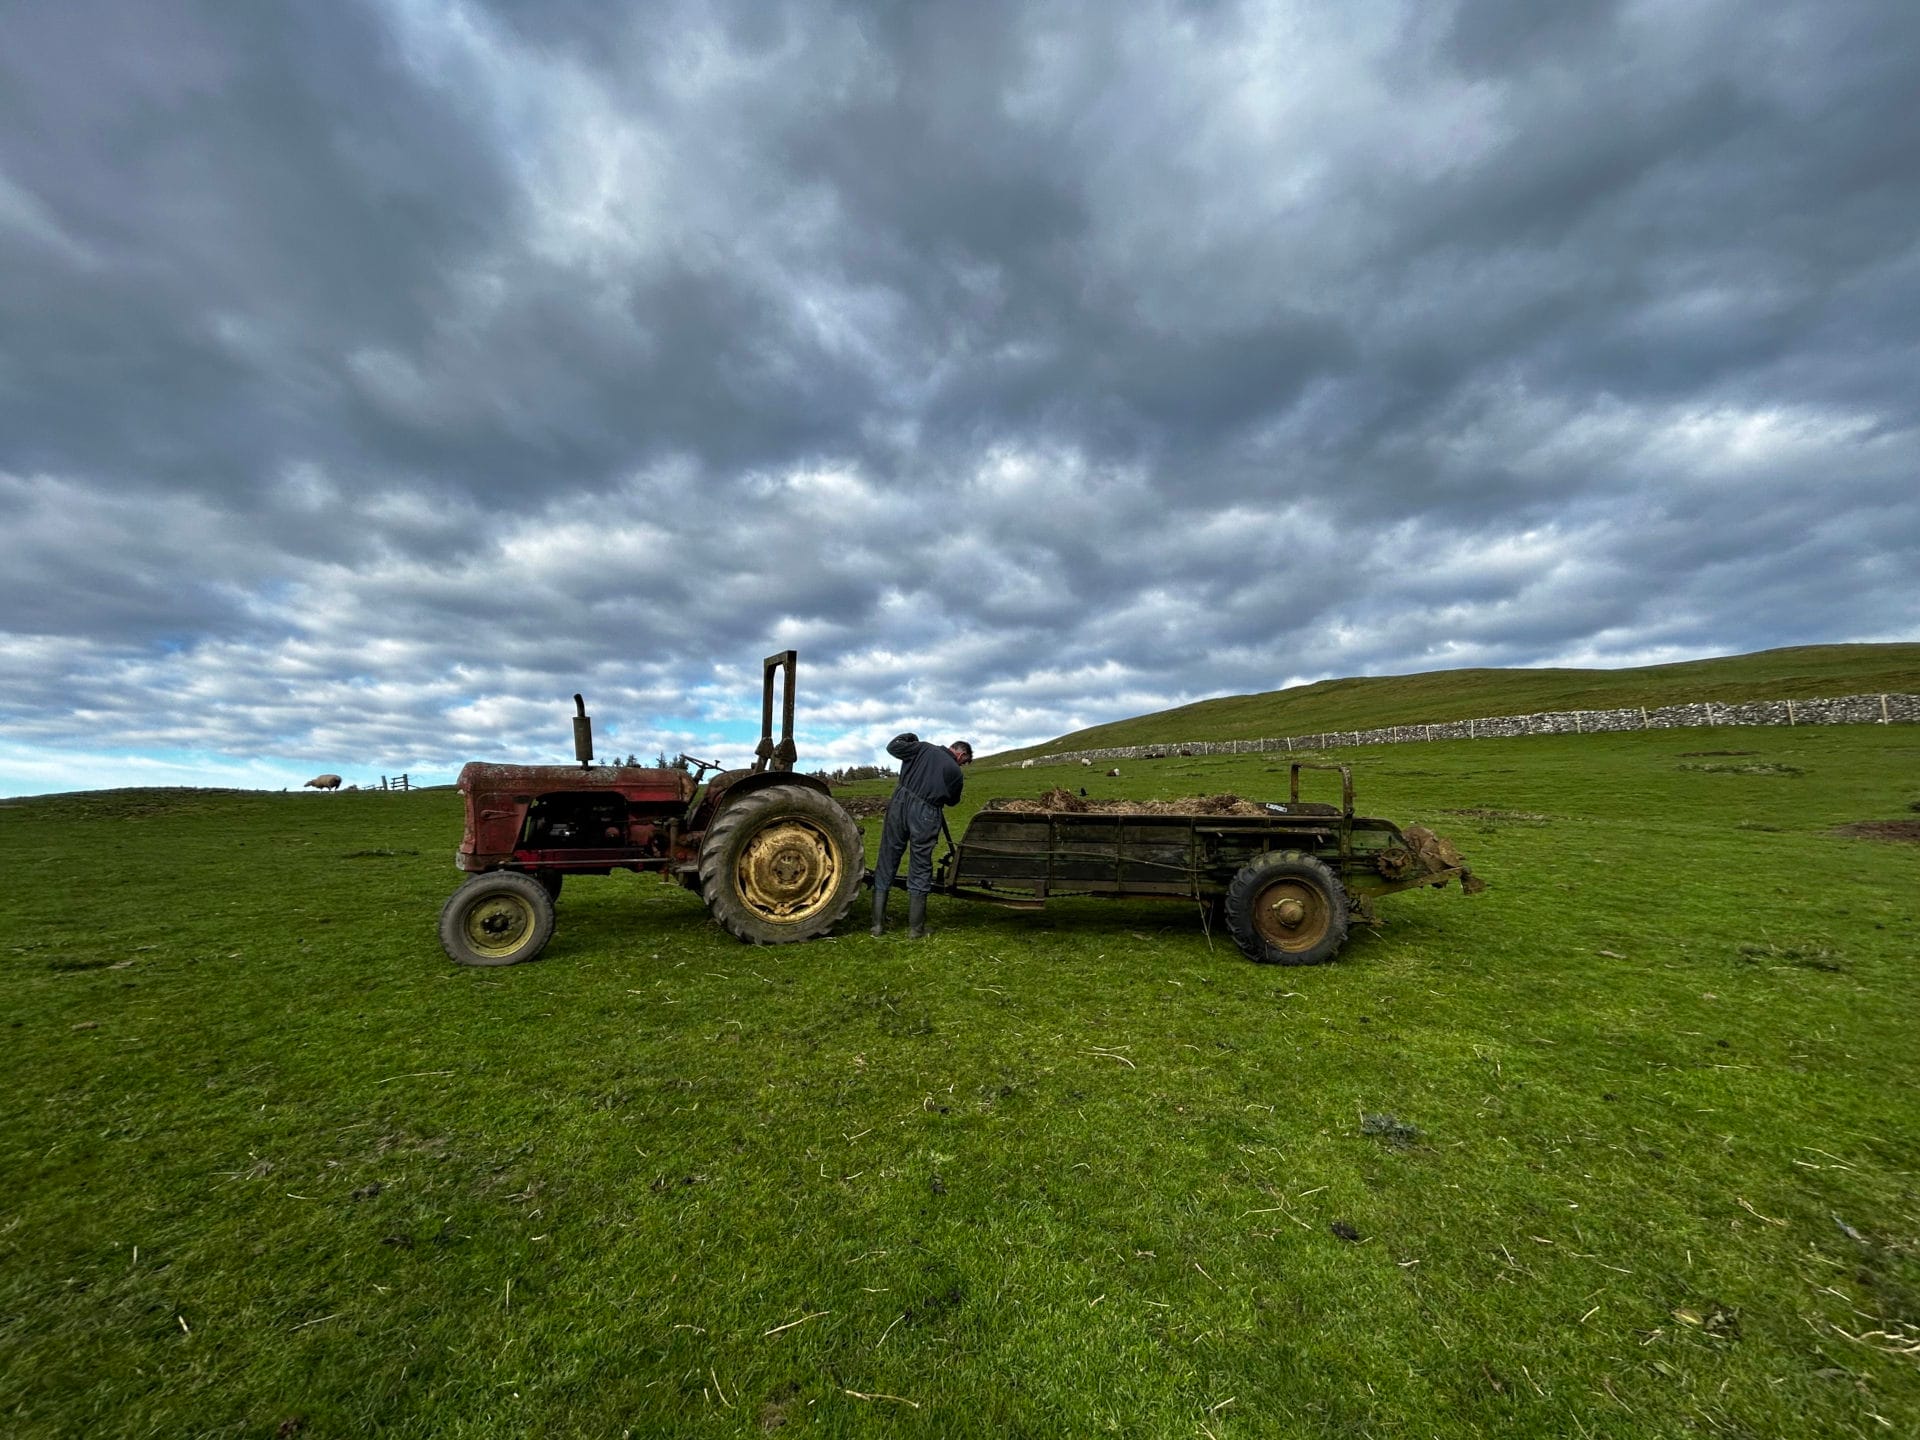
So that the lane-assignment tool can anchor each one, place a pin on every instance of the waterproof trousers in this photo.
(911, 827)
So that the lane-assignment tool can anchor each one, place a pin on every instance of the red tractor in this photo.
(773, 854)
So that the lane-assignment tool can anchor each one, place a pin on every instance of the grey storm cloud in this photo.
(374, 375)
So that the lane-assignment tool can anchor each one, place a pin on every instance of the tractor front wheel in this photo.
(1287, 909)
(500, 918)
(780, 864)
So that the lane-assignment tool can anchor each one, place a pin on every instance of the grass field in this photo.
(1805, 672)
(1626, 1146)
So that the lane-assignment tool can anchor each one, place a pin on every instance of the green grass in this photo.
(1806, 672)
(270, 1165)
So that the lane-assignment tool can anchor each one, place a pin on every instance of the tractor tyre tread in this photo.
(1254, 878)
(736, 825)
(526, 906)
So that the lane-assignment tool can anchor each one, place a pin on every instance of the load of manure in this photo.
(1061, 801)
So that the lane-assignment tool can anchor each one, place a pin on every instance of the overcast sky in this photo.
(373, 376)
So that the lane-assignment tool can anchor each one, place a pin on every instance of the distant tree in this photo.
(849, 774)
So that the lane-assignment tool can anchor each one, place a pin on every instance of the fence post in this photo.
(1790, 719)
(1885, 718)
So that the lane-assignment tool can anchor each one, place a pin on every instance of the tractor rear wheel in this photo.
(500, 918)
(1287, 909)
(781, 864)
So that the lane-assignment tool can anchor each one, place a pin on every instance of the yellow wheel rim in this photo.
(1292, 915)
(789, 871)
(498, 925)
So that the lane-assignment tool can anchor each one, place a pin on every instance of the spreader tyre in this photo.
(1287, 909)
(500, 918)
(780, 864)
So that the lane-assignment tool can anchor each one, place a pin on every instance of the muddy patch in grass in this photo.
(1504, 817)
(1711, 1318)
(1395, 1132)
(1799, 955)
(1908, 830)
(773, 1411)
(1752, 767)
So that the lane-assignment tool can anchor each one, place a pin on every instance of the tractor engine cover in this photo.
(599, 807)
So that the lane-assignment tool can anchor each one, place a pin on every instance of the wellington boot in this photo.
(879, 911)
(916, 917)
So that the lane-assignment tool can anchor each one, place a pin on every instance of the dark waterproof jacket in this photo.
(928, 772)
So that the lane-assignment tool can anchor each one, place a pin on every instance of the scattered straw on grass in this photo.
(791, 1323)
(897, 1399)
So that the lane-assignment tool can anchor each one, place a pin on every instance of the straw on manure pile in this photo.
(1059, 800)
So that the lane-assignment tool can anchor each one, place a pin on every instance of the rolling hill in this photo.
(1798, 673)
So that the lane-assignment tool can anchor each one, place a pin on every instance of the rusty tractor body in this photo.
(770, 851)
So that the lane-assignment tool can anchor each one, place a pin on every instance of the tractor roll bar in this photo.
(767, 755)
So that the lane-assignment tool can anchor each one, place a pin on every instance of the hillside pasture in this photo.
(1801, 672)
(1625, 1146)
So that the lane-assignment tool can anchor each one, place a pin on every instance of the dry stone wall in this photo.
(1845, 710)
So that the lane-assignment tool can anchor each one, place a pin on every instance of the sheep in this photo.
(1026, 764)
(1085, 761)
(322, 782)
(1114, 774)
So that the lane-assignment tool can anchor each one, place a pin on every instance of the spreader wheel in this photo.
(1287, 909)
(500, 918)
(780, 864)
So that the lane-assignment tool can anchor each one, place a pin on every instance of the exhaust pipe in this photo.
(582, 733)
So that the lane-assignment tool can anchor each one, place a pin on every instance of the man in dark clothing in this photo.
(930, 780)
